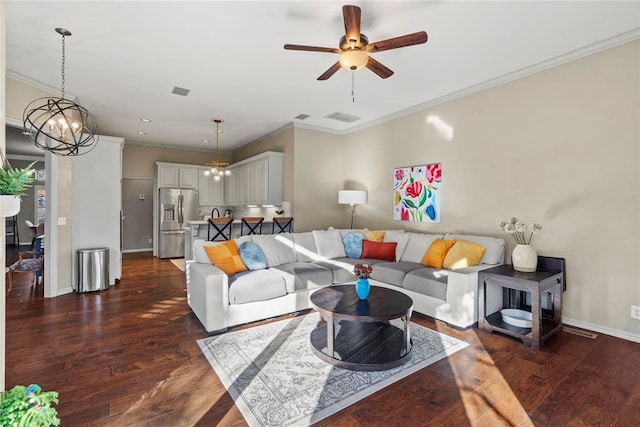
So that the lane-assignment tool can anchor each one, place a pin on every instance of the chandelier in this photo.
(59, 125)
(217, 168)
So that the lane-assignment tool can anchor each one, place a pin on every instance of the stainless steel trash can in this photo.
(93, 269)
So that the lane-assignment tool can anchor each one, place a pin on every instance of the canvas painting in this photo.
(416, 192)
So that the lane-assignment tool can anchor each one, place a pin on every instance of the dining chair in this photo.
(31, 261)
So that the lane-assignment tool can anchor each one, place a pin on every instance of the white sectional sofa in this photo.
(299, 263)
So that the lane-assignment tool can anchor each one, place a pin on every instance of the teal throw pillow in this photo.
(353, 244)
(252, 256)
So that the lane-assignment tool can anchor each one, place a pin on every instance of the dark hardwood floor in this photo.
(128, 356)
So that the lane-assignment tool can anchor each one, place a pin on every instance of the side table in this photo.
(544, 323)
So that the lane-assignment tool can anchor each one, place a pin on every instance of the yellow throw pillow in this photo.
(463, 254)
(374, 236)
(437, 251)
(225, 256)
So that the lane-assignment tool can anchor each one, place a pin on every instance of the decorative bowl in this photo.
(515, 317)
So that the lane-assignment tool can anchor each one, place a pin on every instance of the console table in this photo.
(545, 323)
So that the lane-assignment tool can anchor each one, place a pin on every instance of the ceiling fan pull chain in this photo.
(353, 84)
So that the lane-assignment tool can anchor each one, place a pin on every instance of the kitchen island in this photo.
(198, 230)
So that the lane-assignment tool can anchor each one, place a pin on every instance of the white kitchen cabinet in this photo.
(255, 181)
(211, 191)
(172, 175)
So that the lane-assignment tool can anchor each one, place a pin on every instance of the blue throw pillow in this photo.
(252, 256)
(353, 244)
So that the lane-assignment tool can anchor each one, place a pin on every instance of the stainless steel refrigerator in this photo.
(177, 207)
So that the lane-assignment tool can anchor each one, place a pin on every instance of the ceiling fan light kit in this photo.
(60, 125)
(355, 48)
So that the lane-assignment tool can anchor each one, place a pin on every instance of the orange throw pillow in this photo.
(463, 254)
(437, 251)
(225, 256)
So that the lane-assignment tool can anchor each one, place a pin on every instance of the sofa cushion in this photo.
(304, 246)
(225, 256)
(417, 245)
(393, 272)
(329, 244)
(353, 244)
(304, 275)
(435, 255)
(400, 238)
(463, 254)
(277, 249)
(427, 281)
(341, 268)
(494, 253)
(379, 250)
(258, 285)
(252, 256)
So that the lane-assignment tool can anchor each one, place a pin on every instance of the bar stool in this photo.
(221, 226)
(254, 223)
(283, 222)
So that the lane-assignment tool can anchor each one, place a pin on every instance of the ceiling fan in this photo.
(355, 48)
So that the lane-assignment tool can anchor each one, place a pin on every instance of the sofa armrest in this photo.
(462, 296)
(208, 294)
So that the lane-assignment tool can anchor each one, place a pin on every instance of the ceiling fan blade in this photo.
(331, 71)
(352, 23)
(378, 68)
(396, 42)
(311, 48)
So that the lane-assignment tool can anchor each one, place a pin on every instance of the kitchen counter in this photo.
(197, 229)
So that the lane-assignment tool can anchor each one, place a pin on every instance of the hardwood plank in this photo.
(128, 356)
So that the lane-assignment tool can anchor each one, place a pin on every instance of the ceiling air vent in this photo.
(302, 116)
(180, 91)
(343, 117)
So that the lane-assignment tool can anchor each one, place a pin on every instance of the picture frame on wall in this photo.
(416, 192)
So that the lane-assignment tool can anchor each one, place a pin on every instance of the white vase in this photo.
(9, 205)
(524, 258)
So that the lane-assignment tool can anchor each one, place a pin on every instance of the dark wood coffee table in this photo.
(356, 334)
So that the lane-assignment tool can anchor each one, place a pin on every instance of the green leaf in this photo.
(410, 203)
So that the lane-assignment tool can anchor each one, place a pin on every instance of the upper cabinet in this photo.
(255, 181)
(171, 175)
(211, 191)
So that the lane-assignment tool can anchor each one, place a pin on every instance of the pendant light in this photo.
(59, 125)
(216, 168)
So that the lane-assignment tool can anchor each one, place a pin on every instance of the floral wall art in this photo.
(416, 192)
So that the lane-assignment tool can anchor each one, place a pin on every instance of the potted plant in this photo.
(13, 183)
(28, 406)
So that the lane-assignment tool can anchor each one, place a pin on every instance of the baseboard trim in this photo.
(128, 251)
(603, 330)
(64, 291)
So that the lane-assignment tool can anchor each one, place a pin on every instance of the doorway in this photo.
(137, 210)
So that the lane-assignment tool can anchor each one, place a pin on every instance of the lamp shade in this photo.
(352, 197)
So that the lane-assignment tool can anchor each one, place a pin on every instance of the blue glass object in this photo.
(363, 288)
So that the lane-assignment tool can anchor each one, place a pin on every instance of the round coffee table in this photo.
(356, 334)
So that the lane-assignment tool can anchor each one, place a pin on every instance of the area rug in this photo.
(178, 262)
(275, 379)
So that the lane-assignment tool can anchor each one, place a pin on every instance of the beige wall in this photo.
(65, 252)
(318, 176)
(560, 147)
(19, 94)
(139, 161)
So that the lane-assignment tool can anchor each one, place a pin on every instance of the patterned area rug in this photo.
(178, 262)
(275, 379)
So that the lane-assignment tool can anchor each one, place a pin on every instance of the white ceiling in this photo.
(124, 58)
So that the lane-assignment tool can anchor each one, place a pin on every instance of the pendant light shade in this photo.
(60, 125)
(216, 168)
